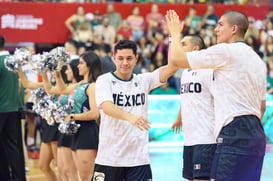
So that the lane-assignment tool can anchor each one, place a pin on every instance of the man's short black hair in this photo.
(125, 44)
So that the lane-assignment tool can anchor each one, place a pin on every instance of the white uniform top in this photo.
(120, 143)
(31, 76)
(240, 80)
(197, 108)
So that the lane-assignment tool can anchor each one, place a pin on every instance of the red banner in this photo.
(43, 22)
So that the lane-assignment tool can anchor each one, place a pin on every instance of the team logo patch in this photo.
(194, 73)
(197, 166)
(98, 176)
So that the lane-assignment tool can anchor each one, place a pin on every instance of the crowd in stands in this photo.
(98, 32)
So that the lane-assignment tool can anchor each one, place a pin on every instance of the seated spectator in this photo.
(141, 66)
(268, 30)
(154, 19)
(158, 61)
(136, 23)
(95, 21)
(124, 32)
(107, 63)
(254, 44)
(107, 31)
(267, 48)
(192, 20)
(269, 77)
(209, 18)
(84, 33)
(113, 16)
(72, 47)
(252, 29)
(159, 50)
(99, 45)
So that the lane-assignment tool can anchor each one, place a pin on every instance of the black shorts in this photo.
(49, 133)
(28, 108)
(65, 140)
(197, 161)
(240, 150)
(108, 173)
(87, 136)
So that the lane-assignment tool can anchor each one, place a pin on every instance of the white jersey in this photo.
(240, 80)
(120, 143)
(197, 108)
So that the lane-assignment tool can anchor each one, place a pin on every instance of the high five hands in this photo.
(174, 24)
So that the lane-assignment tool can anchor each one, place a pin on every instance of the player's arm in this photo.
(178, 56)
(26, 83)
(177, 125)
(263, 106)
(168, 70)
(112, 110)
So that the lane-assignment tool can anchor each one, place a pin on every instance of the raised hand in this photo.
(173, 22)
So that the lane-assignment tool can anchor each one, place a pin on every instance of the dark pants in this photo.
(12, 164)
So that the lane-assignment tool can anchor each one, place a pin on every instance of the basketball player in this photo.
(122, 99)
(239, 95)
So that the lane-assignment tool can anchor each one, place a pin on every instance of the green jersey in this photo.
(9, 95)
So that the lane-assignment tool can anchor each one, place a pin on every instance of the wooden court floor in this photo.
(159, 158)
(35, 174)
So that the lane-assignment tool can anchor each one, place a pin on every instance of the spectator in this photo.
(30, 114)
(154, 20)
(96, 20)
(113, 16)
(159, 49)
(254, 44)
(268, 30)
(100, 45)
(145, 49)
(192, 21)
(158, 61)
(252, 29)
(124, 32)
(267, 47)
(72, 47)
(136, 23)
(269, 16)
(209, 18)
(107, 31)
(84, 33)
(75, 21)
(269, 77)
